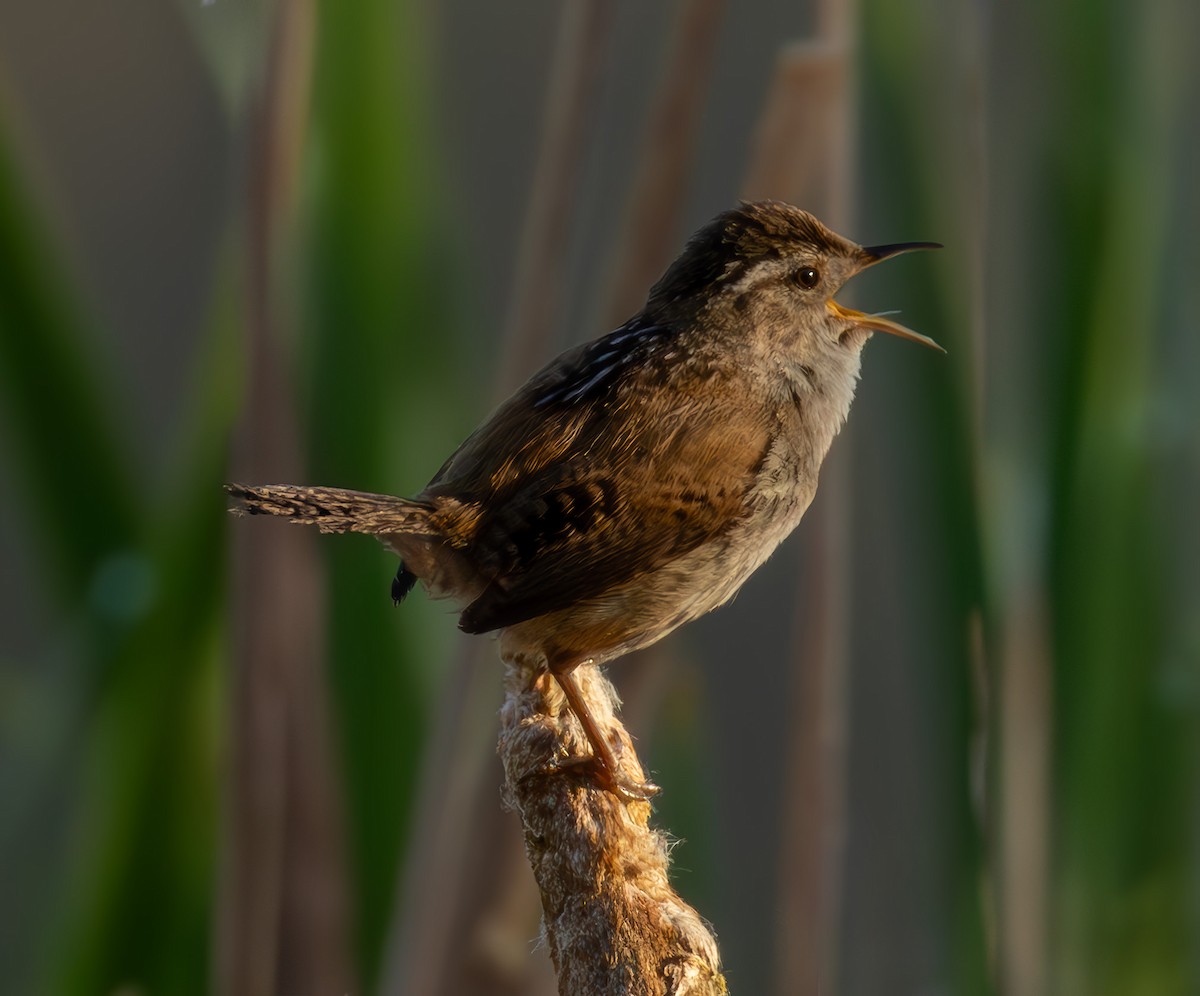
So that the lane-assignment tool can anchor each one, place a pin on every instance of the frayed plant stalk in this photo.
(610, 919)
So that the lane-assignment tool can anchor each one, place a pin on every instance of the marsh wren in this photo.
(637, 481)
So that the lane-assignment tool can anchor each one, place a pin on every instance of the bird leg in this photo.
(627, 789)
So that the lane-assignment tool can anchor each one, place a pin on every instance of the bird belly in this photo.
(643, 610)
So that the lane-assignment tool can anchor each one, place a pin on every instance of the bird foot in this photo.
(613, 780)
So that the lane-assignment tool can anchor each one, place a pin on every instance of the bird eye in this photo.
(807, 277)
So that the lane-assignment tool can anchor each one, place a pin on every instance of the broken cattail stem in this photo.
(611, 920)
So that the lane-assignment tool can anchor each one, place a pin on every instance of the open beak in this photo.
(873, 254)
(868, 256)
(879, 324)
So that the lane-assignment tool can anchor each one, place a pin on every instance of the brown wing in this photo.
(609, 463)
(629, 497)
(561, 409)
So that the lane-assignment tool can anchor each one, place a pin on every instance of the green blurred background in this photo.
(291, 240)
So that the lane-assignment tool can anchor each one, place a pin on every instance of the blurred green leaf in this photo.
(378, 270)
(57, 406)
(140, 900)
(1123, 768)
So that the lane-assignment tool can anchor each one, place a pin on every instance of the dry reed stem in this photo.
(612, 922)
(573, 89)
(802, 155)
(1024, 789)
(650, 231)
(281, 919)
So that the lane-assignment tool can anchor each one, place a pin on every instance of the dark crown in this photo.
(723, 249)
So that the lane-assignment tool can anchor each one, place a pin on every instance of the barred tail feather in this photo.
(332, 510)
